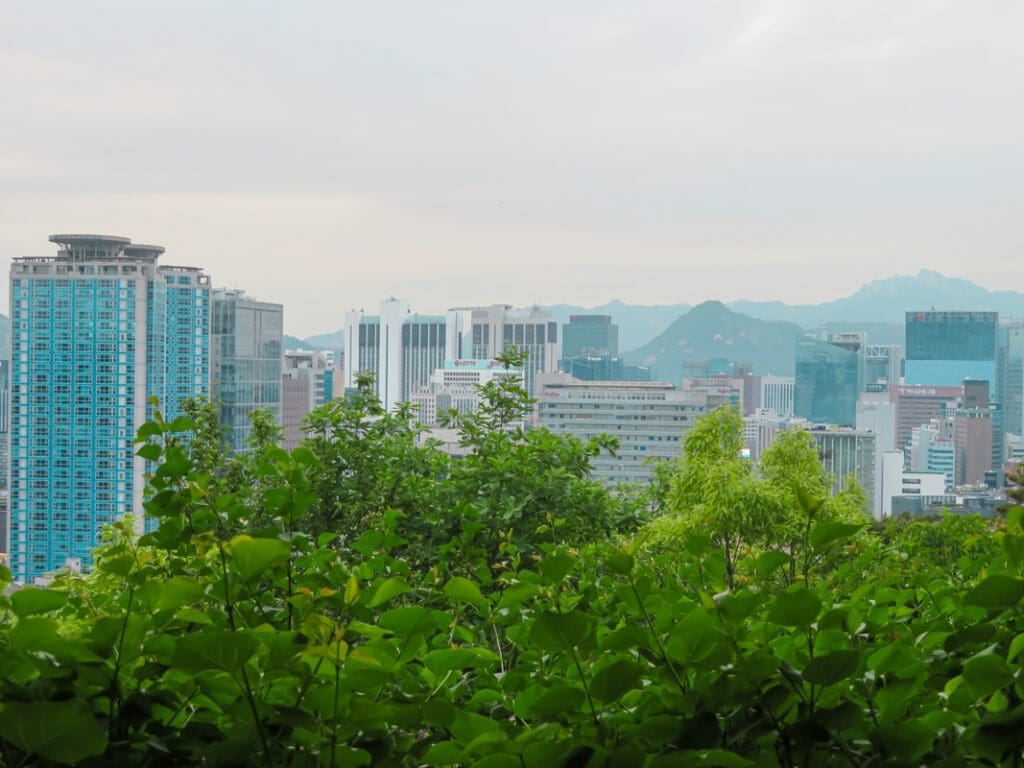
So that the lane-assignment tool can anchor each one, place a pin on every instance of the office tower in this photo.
(5, 423)
(95, 330)
(847, 454)
(760, 429)
(590, 336)
(457, 386)
(826, 385)
(945, 348)
(919, 405)
(1008, 387)
(883, 366)
(933, 448)
(400, 349)
(245, 362)
(973, 425)
(650, 419)
(776, 394)
(606, 368)
(875, 413)
(855, 342)
(478, 333)
(305, 385)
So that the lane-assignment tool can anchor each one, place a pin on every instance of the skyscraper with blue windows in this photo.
(95, 331)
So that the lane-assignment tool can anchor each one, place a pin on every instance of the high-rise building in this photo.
(933, 449)
(95, 330)
(457, 386)
(944, 348)
(875, 413)
(305, 385)
(245, 362)
(590, 336)
(649, 419)
(896, 481)
(883, 365)
(847, 454)
(605, 368)
(483, 333)
(973, 425)
(827, 382)
(400, 349)
(776, 394)
(919, 405)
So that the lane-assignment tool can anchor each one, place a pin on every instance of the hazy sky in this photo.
(326, 154)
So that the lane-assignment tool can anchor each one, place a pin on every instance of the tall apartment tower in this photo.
(481, 333)
(245, 360)
(95, 330)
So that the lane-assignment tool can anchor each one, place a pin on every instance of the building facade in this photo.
(246, 337)
(484, 333)
(847, 455)
(650, 419)
(590, 336)
(827, 382)
(944, 348)
(95, 331)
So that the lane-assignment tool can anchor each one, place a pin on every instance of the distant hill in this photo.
(293, 342)
(888, 299)
(711, 330)
(637, 323)
(332, 340)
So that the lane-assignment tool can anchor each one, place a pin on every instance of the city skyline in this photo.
(660, 154)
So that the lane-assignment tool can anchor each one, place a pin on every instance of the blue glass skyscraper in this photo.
(944, 348)
(95, 330)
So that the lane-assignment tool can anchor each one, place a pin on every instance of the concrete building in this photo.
(456, 386)
(606, 368)
(245, 362)
(776, 394)
(720, 390)
(305, 385)
(847, 455)
(484, 333)
(760, 430)
(944, 348)
(933, 449)
(649, 419)
(95, 330)
(896, 481)
(875, 413)
(974, 433)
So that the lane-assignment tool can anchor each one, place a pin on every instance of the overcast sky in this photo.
(327, 154)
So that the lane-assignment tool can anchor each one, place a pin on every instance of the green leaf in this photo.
(253, 557)
(830, 668)
(150, 452)
(555, 632)
(222, 650)
(910, 740)
(831, 531)
(178, 591)
(64, 732)
(468, 726)
(461, 589)
(771, 561)
(613, 680)
(556, 567)
(620, 563)
(694, 637)
(31, 600)
(5, 574)
(388, 590)
(797, 607)
(987, 672)
(413, 620)
(540, 702)
(997, 591)
(443, 753)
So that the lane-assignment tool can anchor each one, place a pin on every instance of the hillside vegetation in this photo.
(365, 600)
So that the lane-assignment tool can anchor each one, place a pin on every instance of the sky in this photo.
(327, 155)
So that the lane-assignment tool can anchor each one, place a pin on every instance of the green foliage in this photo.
(237, 635)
